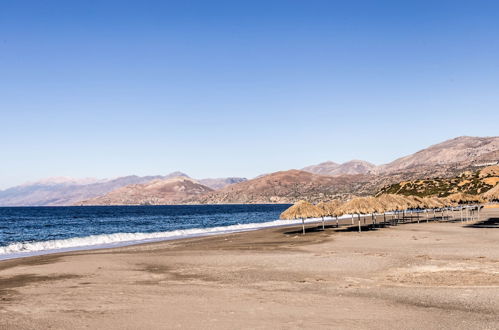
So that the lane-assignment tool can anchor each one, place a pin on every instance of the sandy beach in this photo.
(412, 276)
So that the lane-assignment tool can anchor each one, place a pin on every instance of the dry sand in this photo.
(412, 276)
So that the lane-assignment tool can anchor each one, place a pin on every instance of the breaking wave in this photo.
(22, 249)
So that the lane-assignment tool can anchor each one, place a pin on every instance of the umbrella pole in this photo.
(322, 223)
(337, 223)
(427, 217)
(359, 222)
(303, 225)
(352, 218)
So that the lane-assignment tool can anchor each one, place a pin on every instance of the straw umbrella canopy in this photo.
(325, 211)
(462, 198)
(389, 203)
(335, 206)
(329, 209)
(415, 202)
(439, 202)
(301, 210)
(392, 202)
(430, 203)
(360, 205)
(492, 194)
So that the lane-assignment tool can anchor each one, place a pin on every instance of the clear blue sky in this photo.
(238, 88)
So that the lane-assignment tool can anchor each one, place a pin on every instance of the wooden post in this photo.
(359, 223)
(337, 223)
(303, 225)
(322, 223)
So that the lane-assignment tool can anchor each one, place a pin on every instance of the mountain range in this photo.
(332, 168)
(316, 182)
(69, 191)
(155, 192)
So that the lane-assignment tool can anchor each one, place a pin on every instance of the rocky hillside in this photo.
(285, 187)
(332, 168)
(468, 182)
(458, 153)
(435, 168)
(156, 192)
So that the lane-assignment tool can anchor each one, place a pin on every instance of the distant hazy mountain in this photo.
(325, 168)
(52, 192)
(332, 168)
(220, 183)
(63, 180)
(156, 192)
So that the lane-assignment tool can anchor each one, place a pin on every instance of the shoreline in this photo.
(166, 236)
(419, 275)
(156, 237)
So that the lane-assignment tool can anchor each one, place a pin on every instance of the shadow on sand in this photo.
(341, 229)
(489, 223)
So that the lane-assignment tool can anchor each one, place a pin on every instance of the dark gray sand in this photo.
(437, 275)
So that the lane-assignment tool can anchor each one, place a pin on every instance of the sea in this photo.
(27, 231)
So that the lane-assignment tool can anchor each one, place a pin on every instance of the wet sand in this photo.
(437, 275)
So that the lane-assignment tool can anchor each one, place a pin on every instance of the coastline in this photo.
(25, 250)
(414, 275)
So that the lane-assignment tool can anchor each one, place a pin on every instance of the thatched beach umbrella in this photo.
(441, 203)
(358, 206)
(492, 194)
(301, 210)
(416, 203)
(462, 198)
(330, 209)
(388, 203)
(429, 203)
(325, 211)
(394, 203)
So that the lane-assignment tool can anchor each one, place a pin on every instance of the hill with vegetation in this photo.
(469, 182)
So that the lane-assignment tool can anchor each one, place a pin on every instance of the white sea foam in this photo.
(23, 249)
